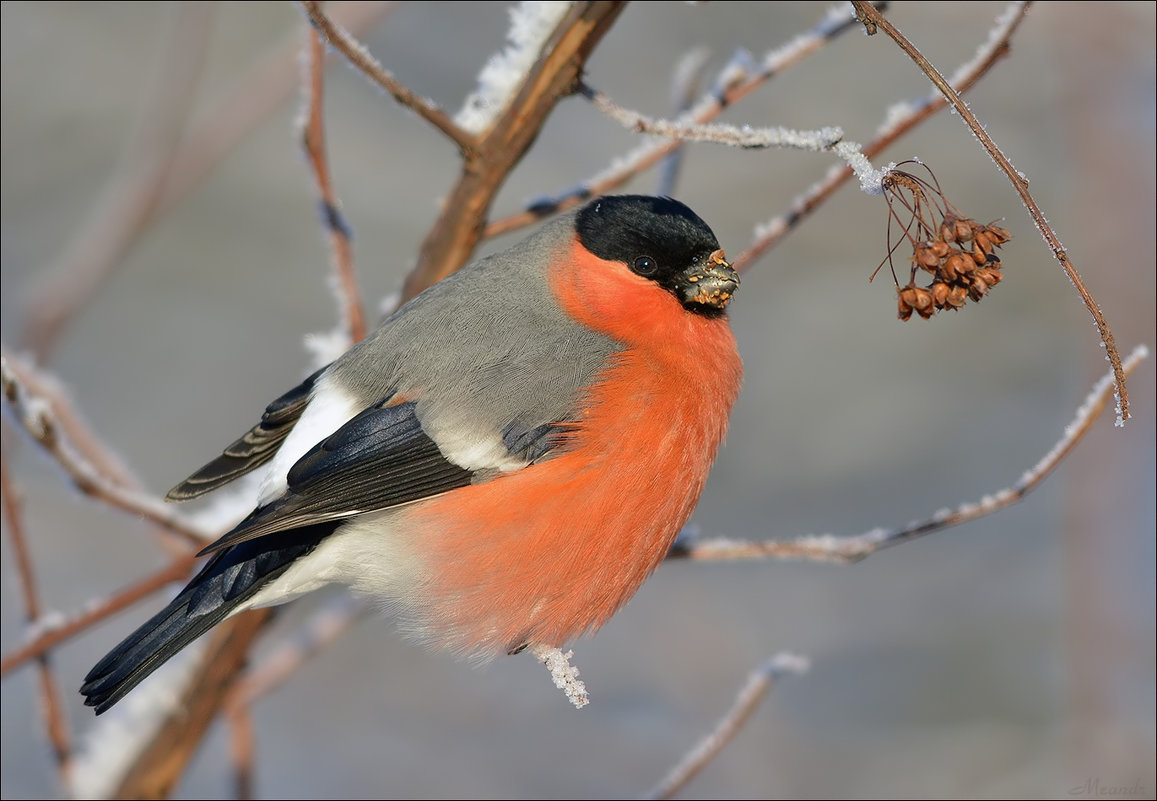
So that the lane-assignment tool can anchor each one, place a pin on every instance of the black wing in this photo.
(379, 459)
(254, 449)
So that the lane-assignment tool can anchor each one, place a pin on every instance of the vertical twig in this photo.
(684, 87)
(313, 140)
(871, 17)
(242, 750)
(55, 722)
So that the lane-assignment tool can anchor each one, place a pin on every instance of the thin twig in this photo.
(684, 87)
(37, 416)
(901, 120)
(313, 140)
(242, 750)
(717, 133)
(735, 82)
(355, 51)
(757, 686)
(52, 711)
(866, 12)
(830, 548)
(65, 627)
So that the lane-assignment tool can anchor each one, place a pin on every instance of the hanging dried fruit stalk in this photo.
(959, 252)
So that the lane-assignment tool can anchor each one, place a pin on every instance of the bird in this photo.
(501, 463)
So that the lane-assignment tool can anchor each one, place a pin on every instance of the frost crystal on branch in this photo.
(531, 23)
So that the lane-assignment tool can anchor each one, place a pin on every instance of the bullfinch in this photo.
(502, 463)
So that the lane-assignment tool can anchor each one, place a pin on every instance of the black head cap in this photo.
(660, 239)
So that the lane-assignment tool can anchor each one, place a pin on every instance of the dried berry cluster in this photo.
(959, 252)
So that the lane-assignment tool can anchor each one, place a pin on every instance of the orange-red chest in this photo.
(551, 551)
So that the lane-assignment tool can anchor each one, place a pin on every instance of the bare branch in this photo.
(357, 54)
(829, 548)
(745, 137)
(156, 770)
(452, 240)
(735, 81)
(684, 87)
(866, 12)
(55, 721)
(37, 416)
(243, 750)
(52, 633)
(757, 686)
(901, 119)
(313, 140)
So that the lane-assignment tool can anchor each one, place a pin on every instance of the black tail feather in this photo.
(225, 583)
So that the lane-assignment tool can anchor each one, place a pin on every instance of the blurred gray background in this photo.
(1012, 657)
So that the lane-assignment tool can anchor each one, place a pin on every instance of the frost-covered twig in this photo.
(825, 139)
(901, 118)
(50, 632)
(871, 16)
(344, 42)
(735, 81)
(553, 75)
(757, 686)
(55, 721)
(718, 133)
(37, 416)
(564, 675)
(531, 24)
(313, 141)
(830, 548)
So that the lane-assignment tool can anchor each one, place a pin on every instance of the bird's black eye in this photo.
(645, 265)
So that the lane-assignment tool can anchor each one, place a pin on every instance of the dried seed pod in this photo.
(982, 241)
(955, 266)
(948, 229)
(957, 296)
(965, 263)
(978, 288)
(941, 249)
(997, 234)
(989, 276)
(926, 258)
(964, 230)
(907, 295)
(922, 302)
(939, 291)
